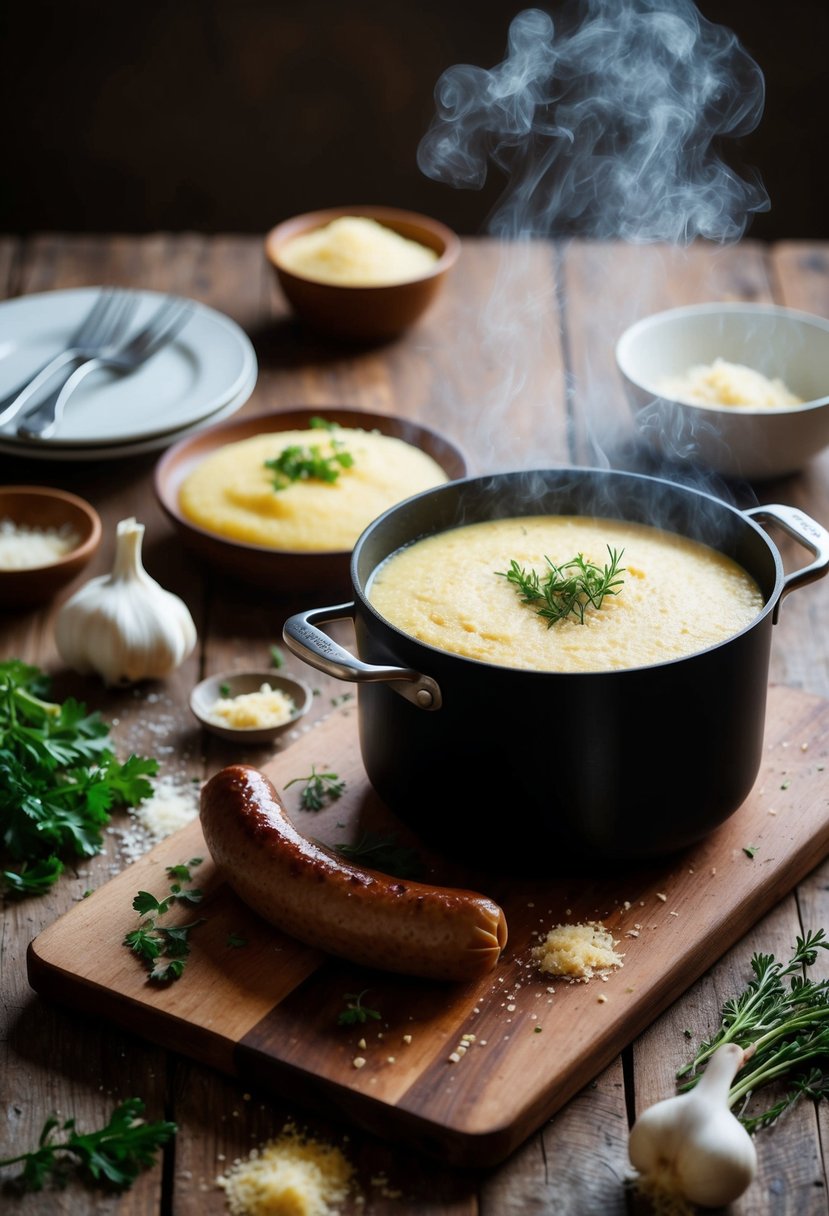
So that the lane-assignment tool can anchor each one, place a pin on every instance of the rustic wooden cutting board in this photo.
(266, 1011)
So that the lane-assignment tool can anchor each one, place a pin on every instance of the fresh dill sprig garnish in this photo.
(567, 589)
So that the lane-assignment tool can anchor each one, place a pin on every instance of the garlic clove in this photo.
(124, 626)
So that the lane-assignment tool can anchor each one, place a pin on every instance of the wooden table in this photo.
(514, 363)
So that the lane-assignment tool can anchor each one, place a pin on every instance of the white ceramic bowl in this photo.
(735, 441)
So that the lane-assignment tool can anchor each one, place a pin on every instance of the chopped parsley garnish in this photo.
(298, 462)
(164, 948)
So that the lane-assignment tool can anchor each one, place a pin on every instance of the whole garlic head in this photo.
(124, 626)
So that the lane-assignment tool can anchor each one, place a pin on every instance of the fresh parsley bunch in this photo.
(59, 780)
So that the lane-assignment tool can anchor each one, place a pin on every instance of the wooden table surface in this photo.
(515, 364)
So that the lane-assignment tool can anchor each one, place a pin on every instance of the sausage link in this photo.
(312, 894)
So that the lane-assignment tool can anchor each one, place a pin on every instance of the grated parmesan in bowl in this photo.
(263, 708)
(250, 706)
(24, 548)
(724, 383)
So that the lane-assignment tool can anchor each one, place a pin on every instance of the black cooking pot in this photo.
(524, 770)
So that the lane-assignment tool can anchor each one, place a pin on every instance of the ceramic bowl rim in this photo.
(756, 308)
(251, 734)
(309, 221)
(162, 478)
(84, 549)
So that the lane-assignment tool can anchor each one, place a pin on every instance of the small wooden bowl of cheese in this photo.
(361, 273)
(251, 707)
(47, 536)
(741, 389)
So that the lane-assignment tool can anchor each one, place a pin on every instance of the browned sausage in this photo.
(310, 893)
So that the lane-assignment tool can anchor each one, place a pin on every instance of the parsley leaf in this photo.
(355, 1011)
(116, 1154)
(59, 780)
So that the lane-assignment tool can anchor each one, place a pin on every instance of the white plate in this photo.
(47, 451)
(200, 371)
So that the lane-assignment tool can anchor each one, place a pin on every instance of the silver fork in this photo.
(43, 419)
(105, 323)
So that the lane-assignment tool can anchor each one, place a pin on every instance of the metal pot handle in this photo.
(321, 651)
(804, 529)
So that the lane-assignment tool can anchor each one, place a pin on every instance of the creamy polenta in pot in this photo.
(564, 593)
(310, 490)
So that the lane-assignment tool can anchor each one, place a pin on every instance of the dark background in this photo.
(214, 115)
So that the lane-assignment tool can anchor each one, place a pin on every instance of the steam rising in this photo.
(606, 123)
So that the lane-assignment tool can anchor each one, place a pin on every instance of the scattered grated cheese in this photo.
(174, 802)
(25, 548)
(577, 951)
(292, 1175)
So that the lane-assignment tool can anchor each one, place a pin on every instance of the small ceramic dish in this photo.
(736, 441)
(281, 570)
(240, 683)
(36, 510)
(364, 313)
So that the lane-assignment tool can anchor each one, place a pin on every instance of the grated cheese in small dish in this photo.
(26, 548)
(253, 710)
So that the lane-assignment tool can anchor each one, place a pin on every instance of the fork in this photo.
(105, 323)
(43, 419)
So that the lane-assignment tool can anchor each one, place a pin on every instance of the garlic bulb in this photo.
(124, 625)
(691, 1147)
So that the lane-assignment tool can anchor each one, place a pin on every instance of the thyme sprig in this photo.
(383, 853)
(298, 462)
(785, 1026)
(567, 589)
(319, 789)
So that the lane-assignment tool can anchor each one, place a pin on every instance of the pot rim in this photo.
(665, 485)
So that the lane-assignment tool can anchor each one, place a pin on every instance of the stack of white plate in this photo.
(204, 375)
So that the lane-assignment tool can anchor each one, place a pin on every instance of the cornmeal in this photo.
(232, 492)
(677, 596)
(355, 251)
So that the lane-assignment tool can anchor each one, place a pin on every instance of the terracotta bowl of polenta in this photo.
(361, 273)
(278, 500)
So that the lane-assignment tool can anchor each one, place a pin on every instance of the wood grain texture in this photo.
(268, 1012)
(443, 374)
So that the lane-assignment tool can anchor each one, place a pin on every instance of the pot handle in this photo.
(315, 647)
(804, 529)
